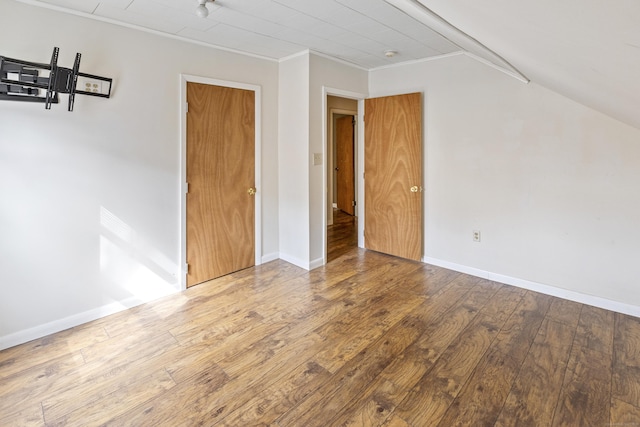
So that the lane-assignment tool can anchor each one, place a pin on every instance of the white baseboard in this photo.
(595, 301)
(40, 331)
(295, 261)
(316, 263)
(270, 257)
(307, 265)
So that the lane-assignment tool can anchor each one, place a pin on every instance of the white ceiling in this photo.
(587, 50)
(356, 31)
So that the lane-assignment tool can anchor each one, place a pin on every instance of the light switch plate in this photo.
(317, 159)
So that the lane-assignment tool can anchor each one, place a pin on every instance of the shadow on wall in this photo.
(129, 261)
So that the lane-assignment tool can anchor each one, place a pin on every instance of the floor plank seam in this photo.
(565, 374)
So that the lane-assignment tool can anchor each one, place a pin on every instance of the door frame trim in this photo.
(360, 97)
(257, 90)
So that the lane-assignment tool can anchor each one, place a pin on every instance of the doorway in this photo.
(341, 179)
(221, 168)
(391, 203)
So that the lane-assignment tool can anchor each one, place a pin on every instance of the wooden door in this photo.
(220, 171)
(393, 175)
(345, 179)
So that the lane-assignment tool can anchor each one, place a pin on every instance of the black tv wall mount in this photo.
(25, 81)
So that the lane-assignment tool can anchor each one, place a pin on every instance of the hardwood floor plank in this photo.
(350, 339)
(256, 368)
(521, 328)
(95, 381)
(342, 236)
(372, 411)
(125, 349)
(565, 311)
(624, 414)
(101, 408)
(393, 384)
(626, 360)
(32, 384)
(394, 421)
(428, 280)
(274, 401)
(27, 415)
(480, 400)
(585, 399)
(595, 329)
(183, 404)
(503, 303)
(535, 393)
(352, 378)
(276, 347)
(373, 405)
(432, 395)
(438, 336)
(210, 352)
(219, 329)
(41, 351)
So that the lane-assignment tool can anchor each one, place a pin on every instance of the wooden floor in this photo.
(367, 340)
(342, 235)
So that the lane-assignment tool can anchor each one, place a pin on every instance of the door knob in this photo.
(414, 189)
(251, 191)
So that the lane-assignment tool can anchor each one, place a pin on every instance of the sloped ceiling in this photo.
(587, 50)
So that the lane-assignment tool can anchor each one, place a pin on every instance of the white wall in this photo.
(551, 184)
(302, 114)
(339, 79)
(293, 154)
(90, 216)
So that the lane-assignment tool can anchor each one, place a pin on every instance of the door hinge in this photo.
(186, 268)
(353, 121)
(186, 107)
(353, 203)
(186, 188)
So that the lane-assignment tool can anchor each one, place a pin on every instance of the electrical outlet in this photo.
(476, 235)
(87, 84)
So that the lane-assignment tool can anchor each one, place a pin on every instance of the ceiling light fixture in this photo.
(202, 10)
(390, 53)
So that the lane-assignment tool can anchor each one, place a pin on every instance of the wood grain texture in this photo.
(626, 360)
(624, 414)
(220, 170)
(367, 340)
(392, 165)
(345, 175)
(435, 392)
(342, 235)
(595, 329)
(585, 398)
(534, 395)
